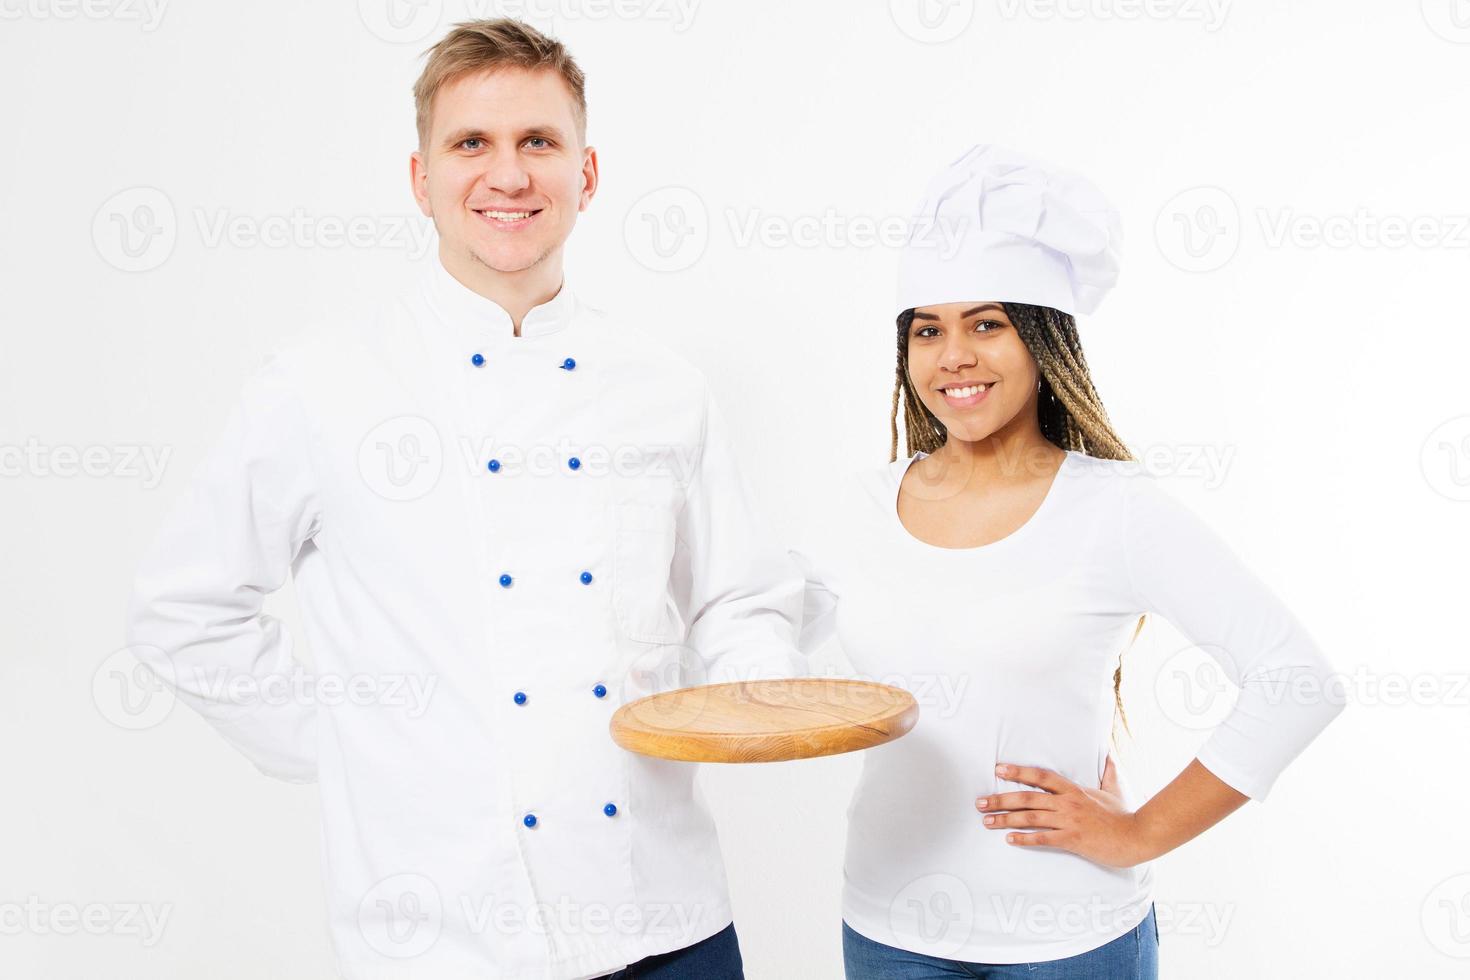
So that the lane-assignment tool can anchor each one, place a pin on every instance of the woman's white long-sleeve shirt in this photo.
(496, 541)
(1010, 649)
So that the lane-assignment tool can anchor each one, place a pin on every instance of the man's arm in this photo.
(744, 594)
(194, 614)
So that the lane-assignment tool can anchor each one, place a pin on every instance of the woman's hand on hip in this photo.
(1092, 823)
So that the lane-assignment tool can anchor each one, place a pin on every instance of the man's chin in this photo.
(508, 263)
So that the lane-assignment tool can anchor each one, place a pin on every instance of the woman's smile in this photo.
(963, 396)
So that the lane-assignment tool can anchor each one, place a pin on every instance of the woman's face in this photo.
(971, 368)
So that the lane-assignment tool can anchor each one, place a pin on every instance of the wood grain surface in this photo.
(764, 721)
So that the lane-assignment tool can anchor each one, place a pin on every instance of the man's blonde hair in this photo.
(486, 45)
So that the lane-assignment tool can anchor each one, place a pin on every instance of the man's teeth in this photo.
(506, 215)
(965, 392)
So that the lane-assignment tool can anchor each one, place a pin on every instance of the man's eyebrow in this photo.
(468, 132)
(971, 312)
(462, 134)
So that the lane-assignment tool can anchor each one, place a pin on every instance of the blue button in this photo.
(520, 697)
(493, 466)
(600, 691)
(529, 820)
(569, 365)
(505, 581)
(586, 578)
(611, 810)
(574, 463)
(477, 360)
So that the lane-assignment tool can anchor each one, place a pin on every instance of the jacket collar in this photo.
(477, 318)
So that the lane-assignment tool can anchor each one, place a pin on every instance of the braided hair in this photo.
(1068, 408)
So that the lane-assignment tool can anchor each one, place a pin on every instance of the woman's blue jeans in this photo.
(1132, 956)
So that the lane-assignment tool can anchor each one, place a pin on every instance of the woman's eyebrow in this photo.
(970, 312)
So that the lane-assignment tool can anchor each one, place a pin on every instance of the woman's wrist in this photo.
(1149, 836)
(1194, 802)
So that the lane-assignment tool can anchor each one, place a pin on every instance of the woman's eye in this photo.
(991, 324)
(924, 332)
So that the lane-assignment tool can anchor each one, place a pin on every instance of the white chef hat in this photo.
(998, 225)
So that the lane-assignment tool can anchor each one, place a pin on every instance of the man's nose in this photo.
(504, 173)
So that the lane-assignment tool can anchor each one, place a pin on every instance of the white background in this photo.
(1272, 317)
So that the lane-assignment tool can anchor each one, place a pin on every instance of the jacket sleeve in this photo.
(743, 593)
(194, 615)
(1178, 567)
(819, 601)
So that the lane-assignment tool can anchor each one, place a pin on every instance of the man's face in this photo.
(503, 172)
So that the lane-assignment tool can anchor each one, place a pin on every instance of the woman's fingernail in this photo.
(989, 821)
(982, 804)
(1000, 770)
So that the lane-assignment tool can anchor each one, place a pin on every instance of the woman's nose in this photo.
(956, 356)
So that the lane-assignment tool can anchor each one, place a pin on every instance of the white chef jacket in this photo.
(536, 529)
(1010, 649)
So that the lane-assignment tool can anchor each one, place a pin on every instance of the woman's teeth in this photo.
(965, 392)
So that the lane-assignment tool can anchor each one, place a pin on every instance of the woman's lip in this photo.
(974, 399)
(508, 225)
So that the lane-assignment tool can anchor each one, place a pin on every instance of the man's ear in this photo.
(589, 178)
(418, 178)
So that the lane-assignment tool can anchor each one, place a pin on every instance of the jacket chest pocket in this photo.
(643, 552)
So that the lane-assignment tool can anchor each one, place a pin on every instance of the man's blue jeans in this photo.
(715, 958)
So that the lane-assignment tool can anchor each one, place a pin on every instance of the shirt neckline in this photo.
(1036, 516)
(479, 318)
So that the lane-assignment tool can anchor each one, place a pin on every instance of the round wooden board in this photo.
(764, 721)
